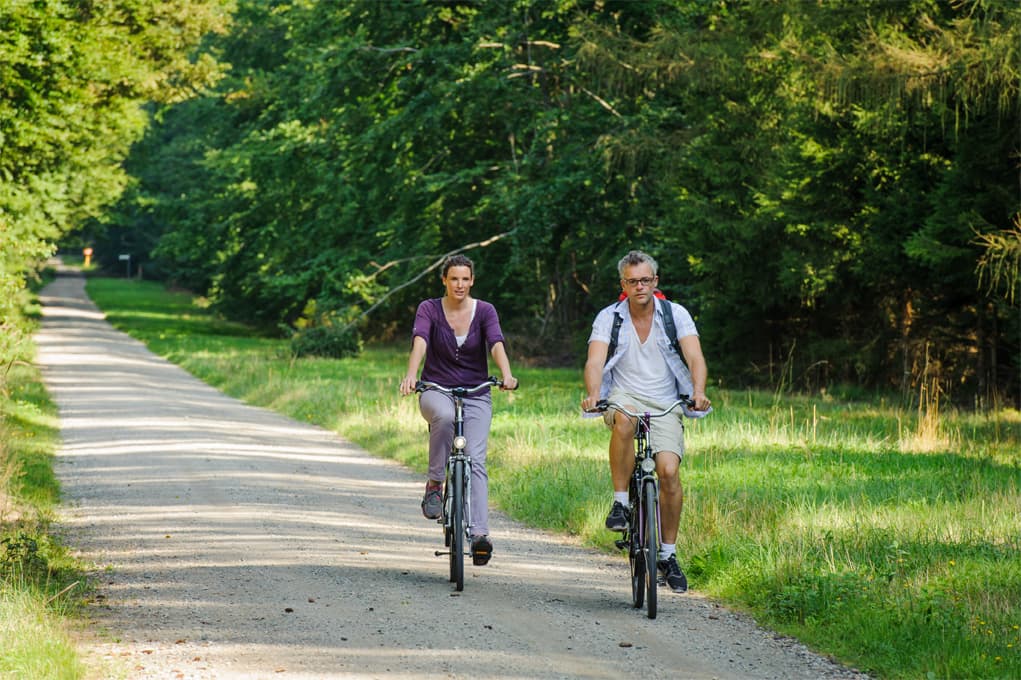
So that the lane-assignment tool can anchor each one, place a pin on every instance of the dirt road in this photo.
(236, 543)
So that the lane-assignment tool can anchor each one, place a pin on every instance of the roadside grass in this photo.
(889, 538)
(41, 585)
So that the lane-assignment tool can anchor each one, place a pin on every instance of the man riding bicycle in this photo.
(644, 371)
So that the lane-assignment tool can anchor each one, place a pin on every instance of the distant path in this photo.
(242, 544)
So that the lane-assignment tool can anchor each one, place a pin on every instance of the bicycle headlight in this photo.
(648, 465)
(460, 442)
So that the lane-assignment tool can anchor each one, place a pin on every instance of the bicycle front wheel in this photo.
(457, 526)
(651, 544)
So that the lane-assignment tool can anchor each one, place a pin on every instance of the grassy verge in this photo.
(886, 537)
(39, 583)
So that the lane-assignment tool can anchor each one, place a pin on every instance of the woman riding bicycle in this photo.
(646, 373)
(452, 335)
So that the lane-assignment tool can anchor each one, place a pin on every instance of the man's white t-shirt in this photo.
(643, 370)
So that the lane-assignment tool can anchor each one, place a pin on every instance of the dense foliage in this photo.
(74, 78)
(821, 182)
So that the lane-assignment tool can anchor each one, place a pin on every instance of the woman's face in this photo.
(458, 282)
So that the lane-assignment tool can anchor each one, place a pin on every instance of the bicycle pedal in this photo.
(620, 544)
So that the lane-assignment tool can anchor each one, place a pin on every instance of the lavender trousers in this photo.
(438, 410)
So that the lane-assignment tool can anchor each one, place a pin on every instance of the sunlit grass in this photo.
(883, 535)
(38, 580)
(33, 640)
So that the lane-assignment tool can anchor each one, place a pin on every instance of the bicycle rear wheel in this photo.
(457, 526)
(651, 544)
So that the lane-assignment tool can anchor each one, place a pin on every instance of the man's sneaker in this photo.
(672, 574)
(432, 503)
(617, 519)
(482, 550)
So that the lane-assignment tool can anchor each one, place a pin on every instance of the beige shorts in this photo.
(666, 432)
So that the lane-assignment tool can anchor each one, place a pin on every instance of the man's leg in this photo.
(622, 463)
(622, 451)
(671, 495)
(671, 501)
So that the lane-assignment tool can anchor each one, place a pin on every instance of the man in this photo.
(645, 373)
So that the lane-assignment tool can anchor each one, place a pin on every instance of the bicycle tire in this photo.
(651, 545)
(636, 558)
(457, 527)
(446, 513)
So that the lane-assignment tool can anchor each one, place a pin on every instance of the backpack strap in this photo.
(618, 319)
(669, 326)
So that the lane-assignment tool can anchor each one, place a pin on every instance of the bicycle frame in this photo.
(457, 515)
(642, 536)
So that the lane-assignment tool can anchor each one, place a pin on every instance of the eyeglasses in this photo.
(645, 281)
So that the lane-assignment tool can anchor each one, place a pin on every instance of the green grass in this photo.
(40, 584)
(887, 538)
(34, 641)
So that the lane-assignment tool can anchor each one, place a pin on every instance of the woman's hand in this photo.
(509, 383)
(408, 385)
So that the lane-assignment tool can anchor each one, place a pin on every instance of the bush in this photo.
(335, 342)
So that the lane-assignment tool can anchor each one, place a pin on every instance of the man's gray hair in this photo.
(634, 258)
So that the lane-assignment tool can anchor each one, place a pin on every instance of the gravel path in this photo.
(235, 543)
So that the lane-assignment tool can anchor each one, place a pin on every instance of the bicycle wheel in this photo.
(446, 513)
(651, 545)
(636, 558)
(457, 526)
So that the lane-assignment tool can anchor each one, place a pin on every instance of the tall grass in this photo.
(34, 642)
(888, 540)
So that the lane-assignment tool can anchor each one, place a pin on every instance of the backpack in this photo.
(668, 325)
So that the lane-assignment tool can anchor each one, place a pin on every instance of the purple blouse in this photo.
(446, 363)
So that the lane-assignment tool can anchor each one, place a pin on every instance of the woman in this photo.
(452, 334)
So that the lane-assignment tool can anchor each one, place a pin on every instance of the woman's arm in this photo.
(503, 363)
(418, 347)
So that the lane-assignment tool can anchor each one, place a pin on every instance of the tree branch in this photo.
(437, 263)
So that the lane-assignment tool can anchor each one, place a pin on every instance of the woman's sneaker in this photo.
(672, 574)
(432, 503)
(482, 550)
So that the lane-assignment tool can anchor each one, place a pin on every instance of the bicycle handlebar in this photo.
(491, 381)
(603, 405)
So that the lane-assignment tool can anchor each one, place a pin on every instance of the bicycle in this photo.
(642, 533)
(456, 517)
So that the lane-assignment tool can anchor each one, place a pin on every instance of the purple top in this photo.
(447, 364)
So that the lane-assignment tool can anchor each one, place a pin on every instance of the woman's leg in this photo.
(438, 410)
(478, 415)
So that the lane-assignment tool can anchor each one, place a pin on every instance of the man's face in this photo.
(639, 282)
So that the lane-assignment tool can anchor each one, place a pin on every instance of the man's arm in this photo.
(692, 350)
(594, 372)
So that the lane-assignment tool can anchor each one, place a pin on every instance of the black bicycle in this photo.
(642, 534)
(457, 517)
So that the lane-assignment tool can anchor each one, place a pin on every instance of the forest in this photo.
(832, 188)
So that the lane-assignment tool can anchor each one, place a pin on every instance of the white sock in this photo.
(621, 497)
(666, 550)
